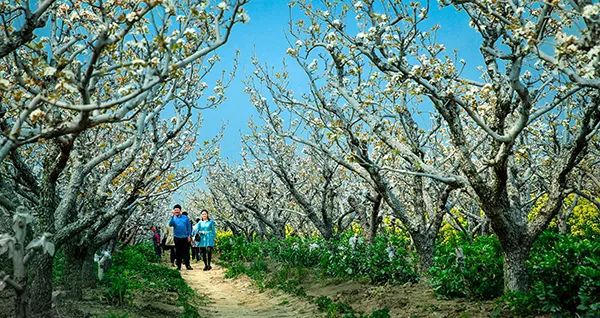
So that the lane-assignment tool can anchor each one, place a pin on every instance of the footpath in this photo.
(238, 297)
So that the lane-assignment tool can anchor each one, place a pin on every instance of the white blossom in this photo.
(591, 10)
(49, 71)
(223, 5)
(291, 52)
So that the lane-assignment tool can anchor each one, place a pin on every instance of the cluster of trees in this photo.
(393, 123)
(87, 150)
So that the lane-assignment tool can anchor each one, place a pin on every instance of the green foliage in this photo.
(115, 315)
(334, 309)
(477, 275)
(288, 279)
(135, 269)
(564, 272)
(334, 259)
(58, 267)
(565, 275)
(381, 313)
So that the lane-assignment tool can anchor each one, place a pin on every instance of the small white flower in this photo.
(49, 71)
(244, 17)
(222, 5)
(291, 52)
(189, 31)
(130, 16)
(326, 14)
(358, 5)
(299, 43)
(591, 10)
(336, 23)
(4, 84)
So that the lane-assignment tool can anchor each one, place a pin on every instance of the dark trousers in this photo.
(182, 251)
(195, 253)
(171, 250)
(206, 255)
(157, 250)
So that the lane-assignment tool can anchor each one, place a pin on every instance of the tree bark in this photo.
(89, 273)
(425, 246)
(40, 289)
(72, 276)
(516, 277)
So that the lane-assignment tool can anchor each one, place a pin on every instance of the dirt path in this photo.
(239, 298)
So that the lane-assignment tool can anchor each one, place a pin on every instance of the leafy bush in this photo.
(134, 269)
(334, 259)
(565, 275)
(477, 275)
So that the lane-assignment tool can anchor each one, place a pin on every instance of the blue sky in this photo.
(265, 38)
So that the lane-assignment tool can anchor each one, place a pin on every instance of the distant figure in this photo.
(186, 255)
(156, 241)
(195, 248)
(205, 233)
(182, 232)
(168, 243)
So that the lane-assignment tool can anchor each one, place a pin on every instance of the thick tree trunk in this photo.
(40, 289)
(89, 272)
(516, 277)
(425, 246)
(72, 276)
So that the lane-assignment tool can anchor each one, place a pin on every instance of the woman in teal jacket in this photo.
(207, 231)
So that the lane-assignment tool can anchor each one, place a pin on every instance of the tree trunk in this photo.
(89, 273)
(40, 289)
(425, 246)
(374, 219)
(516, 277)
(72, 276)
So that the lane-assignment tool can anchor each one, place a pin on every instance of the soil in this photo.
(408, 300)
(239, 297)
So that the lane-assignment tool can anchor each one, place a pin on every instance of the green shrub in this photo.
(380, 313)
(334, 259)
(119, 291)
(134, 269)
(565, 275)
(235, 269)
(478, 275)
(334, 309)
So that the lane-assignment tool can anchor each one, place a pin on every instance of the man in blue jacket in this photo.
(182, 233)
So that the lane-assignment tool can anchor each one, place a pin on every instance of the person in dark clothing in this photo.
(156, 241)
(182, 232)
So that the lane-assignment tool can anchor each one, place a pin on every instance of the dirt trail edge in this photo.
(240, 298)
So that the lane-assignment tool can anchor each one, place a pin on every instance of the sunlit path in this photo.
(239, 298)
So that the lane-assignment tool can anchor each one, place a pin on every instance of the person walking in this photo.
(195, 249)
(182, 233)
(156, 241)
(169, 244)
(204, 234)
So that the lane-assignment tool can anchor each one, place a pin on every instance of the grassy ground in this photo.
(137, 285)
